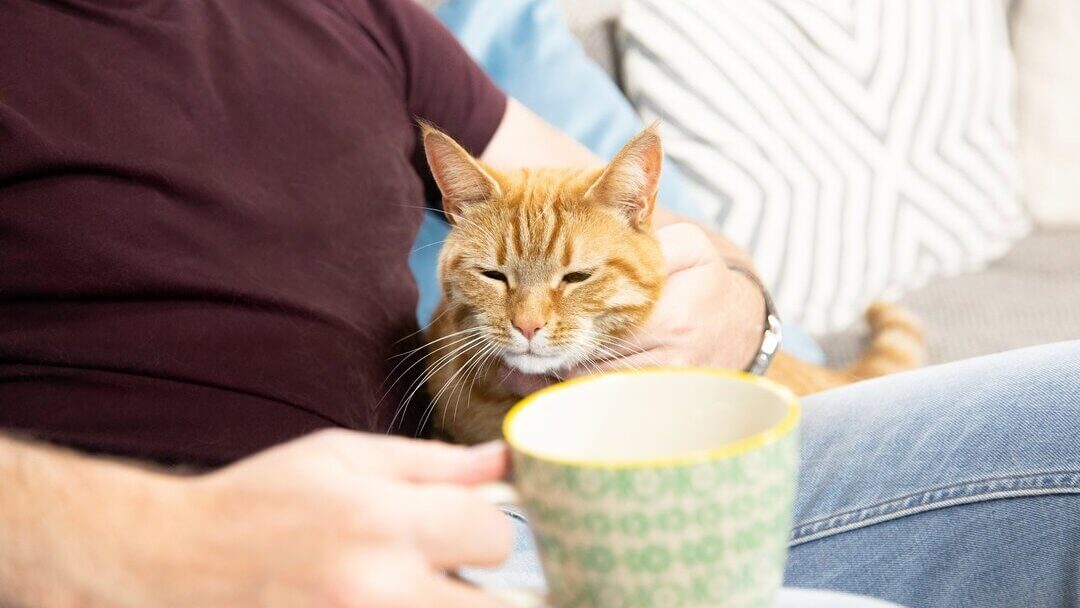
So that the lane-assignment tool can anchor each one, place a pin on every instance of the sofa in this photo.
(1029, 296)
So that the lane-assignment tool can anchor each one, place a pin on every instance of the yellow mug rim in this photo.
(730, 450)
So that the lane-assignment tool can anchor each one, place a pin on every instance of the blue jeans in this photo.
(955, 485)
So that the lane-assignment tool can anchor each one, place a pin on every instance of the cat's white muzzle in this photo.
(531, 363)
(536, 356)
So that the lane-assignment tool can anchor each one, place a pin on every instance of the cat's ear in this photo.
(460, 177)
(630, 181)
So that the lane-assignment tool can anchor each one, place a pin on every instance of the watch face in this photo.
(773, 335)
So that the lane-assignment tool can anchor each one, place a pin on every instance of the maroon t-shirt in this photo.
(206, 211)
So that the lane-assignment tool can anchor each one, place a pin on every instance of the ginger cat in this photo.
(547, 268)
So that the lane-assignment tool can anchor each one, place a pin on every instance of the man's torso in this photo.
(206, 210)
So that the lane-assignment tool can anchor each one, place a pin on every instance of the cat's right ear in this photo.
(462, 180)
(630, 182)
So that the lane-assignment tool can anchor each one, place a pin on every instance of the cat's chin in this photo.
(530, 363)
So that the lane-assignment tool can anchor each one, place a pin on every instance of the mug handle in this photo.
(499, 493)
(503, 494)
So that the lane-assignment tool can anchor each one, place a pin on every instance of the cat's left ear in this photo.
(460, 177)
(630, 181)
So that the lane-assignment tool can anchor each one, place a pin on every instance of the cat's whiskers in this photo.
(454, 387)
(429, 324)
(449, 383)
(423, 355)
(494, 357)
(430, 372)
(600, 344)
(423, 247)
(633, 349)
(425, 376)
(613, 356)
(464, 370)
(484, 231)
(457, 348)
(485, 359)
(456, 216)
(455, 395)
(436, 341)
(595, 368)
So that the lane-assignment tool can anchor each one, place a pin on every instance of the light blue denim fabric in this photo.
(956, 485)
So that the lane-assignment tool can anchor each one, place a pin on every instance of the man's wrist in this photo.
(769, 332)
(77, 530)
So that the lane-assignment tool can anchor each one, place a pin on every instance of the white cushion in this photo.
(1046, 37)
(857, 148)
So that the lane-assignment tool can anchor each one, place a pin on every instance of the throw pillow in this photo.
(857, 149)
(1046, 38)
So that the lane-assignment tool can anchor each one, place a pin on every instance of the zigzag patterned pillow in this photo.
(857, 149)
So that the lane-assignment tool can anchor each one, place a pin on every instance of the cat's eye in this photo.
(494, 275)
(576, 277)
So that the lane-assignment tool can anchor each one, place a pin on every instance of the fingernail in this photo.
(486, 450)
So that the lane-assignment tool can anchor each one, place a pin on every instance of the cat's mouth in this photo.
(529, 362)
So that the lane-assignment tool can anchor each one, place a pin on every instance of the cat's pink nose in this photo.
(528, 326)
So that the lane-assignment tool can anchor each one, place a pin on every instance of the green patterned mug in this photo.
(667, 488)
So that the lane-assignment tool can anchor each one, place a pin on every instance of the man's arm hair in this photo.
(67, 524)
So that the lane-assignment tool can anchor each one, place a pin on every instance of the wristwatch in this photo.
(773, 334)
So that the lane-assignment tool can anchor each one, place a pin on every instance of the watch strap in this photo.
(773, 333)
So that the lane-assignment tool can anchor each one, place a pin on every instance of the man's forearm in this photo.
(729, 250)
(67, 523)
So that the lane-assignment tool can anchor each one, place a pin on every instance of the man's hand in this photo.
(334, 519)
(707, 315)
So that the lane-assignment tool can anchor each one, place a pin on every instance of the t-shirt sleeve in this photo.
(440, 81)
(442, 84)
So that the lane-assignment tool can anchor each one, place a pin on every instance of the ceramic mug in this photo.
(666, 488)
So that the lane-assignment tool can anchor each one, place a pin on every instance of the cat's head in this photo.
(552, 266)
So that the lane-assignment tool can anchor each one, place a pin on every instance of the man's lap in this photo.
(950, 443)
(960, 444)
(990, 427)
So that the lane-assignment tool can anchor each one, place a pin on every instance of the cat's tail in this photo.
(897, 342)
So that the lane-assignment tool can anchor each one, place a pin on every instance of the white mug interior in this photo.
(647, 416)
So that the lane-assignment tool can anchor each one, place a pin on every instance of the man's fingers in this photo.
(419, 460)
(430, 461)
(685, 246)
(396, 579)
(445, 592)
(454, 526)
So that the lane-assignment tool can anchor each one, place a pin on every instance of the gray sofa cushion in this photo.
(1031, 296)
